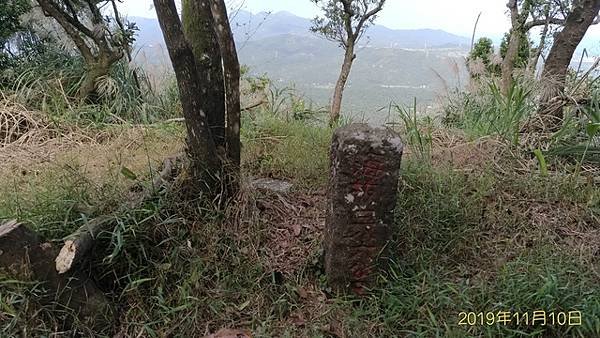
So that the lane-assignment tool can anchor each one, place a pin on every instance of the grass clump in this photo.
(287, 149)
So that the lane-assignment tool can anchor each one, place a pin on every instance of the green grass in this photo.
(456, 249)
(479, 240)
(296, 150)
(453, 255)
(488, 112)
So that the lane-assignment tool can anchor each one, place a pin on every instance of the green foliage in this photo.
(287, 149)
(483, 50)
(48, 79)
(417, 132)
(488, 112)
(359, 15)
(10, 24)
(524, 50)
(579, 138)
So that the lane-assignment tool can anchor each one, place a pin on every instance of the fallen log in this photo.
(24, 256)
(78, 244)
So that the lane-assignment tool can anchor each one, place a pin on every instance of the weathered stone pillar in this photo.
(365, 164)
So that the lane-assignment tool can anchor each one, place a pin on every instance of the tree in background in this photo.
(481, 58)
(10, 11)
(196, 74)
(344, 22)
(525, 15)
(546, 11)
(523, 53)
(99, 44)
(581, 16)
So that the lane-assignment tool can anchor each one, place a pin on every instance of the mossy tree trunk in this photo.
(99, 48)
(198, 28)
(205, 163)
(231, 72)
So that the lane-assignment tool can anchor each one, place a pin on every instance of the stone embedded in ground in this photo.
(269, 184)
(365, 164)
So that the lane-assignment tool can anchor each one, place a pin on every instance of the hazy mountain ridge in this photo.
(252, 27)
(392, 65)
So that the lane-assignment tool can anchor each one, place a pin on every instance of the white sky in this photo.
(454, 16)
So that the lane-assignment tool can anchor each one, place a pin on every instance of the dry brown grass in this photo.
(18, 125)
(452, 149)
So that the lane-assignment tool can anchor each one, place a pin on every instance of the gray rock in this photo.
(272, 185)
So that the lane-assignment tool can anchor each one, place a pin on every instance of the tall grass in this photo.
(579, 139)
(49, 82)
(416, 130)
(488, 112)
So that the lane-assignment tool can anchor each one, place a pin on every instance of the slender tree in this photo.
(536, 52)
(525, 15)
(231, 72)
(344, 22)
(90, 31)
(582, 15)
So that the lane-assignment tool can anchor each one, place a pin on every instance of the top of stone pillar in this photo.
(376, 136)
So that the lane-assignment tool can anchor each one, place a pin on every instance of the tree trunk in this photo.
(514, 43)
(231, 69)
(205, 164)
(336, 103)
(95, 49)
(198, 27)
(508, 64)
(557, 64)
(92, 74)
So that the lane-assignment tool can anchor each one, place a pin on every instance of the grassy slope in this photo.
(481, 238)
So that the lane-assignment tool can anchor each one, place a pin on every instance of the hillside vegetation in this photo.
(495, 214)
(481, 224)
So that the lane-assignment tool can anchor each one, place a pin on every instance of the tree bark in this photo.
(205, 164)
(557, 64)
(516, 34)
(94, 47)
(231, 70)
(336, 103)
(198, 27)
(94, 71)
(79, 244)
(508, 64)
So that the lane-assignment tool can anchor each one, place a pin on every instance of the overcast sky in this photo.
(454, 16)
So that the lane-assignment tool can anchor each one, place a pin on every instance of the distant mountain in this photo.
(379, 75)
(253, 27)
(392, 65)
